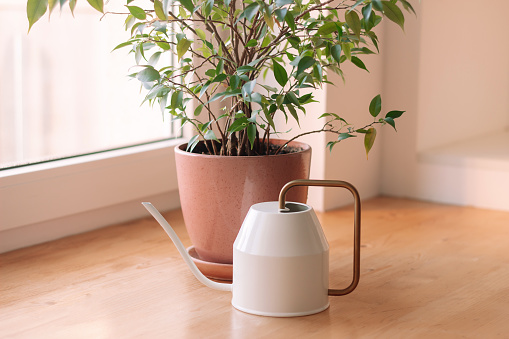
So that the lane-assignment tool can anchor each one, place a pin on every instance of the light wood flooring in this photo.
(427, 271)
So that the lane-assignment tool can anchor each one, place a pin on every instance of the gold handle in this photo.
(357, 223)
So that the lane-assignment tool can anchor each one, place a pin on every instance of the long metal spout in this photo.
(183, 252)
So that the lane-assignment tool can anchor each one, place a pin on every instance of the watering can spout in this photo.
(183, 252)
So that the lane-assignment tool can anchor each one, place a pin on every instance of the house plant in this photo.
(225, 49)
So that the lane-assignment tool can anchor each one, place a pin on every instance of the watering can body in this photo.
(280, 257)
(281, 262)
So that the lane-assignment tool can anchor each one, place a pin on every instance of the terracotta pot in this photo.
(217, 191)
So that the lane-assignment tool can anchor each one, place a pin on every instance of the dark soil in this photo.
(201, 149)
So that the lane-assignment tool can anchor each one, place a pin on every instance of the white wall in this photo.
(450, 71)
(464, 71)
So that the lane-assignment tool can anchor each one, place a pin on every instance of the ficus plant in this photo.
(225, 49)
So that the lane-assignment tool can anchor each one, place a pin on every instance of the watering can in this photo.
(280, 257)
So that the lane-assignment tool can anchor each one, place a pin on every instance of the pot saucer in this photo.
(210, 269)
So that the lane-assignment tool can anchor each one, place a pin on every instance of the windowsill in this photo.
(472, 172)
(489, 152)
(46, 194)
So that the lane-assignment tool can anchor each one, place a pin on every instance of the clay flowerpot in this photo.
(216, 193)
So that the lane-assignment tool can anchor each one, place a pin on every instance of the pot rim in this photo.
(181, 148)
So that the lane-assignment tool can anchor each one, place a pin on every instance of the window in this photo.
(63, 92)
(43, 201)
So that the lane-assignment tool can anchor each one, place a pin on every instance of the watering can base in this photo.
(281, 314)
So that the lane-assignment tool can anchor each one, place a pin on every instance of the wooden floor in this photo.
(427, 271)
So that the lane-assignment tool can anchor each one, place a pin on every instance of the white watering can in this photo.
(280, 257)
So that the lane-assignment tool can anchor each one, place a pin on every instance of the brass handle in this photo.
(357, 223)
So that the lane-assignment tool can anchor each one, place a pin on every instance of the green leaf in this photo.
(159, 9)
(137, 12)
(209, 135)
(394, 114)
(234, 81)
(97, 4)
(248, 87)
(124, 44)
(375, 106)
(252, 43)
(207, 9)
(304, 99)
(343, 136)
(280, 73)
(215, 97)
(280, 14)
(72, 6)
(393, 13)
(353, 21)
(220, 68)
(35, 10)
(228, 94)
(293, 112)
(374, 39)
(182, 47)
(238, 125)
(204, 88)
(149, 74)
(251, 134)
(220, 78)
(51, 5)
(281, 3)
(154, 58)
(355, 5)
(369, 140)
(377, 4)
(269, 88)
(408, 6)
(336, 53)
(130, 23)
(290, 96)
(176, 99)
(210, 72)
(269, 119)
(363, 50)
(269, 20)
(192, 143)
(245, 69)
(330, 145)
(358, 62)
(164, 45)
(162, 103)
(366, 12)
(290, 21)
(318, 72)
(200, 33)
(198, 109)
(305, 63)
(295, 61)
(188, 4)
(347, 47)
(251, 11)
(327, 28)
(279, 100)
(391, 122)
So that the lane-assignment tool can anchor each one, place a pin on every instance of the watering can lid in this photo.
(273, 207)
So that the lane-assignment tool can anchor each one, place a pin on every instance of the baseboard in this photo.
(19, 237)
